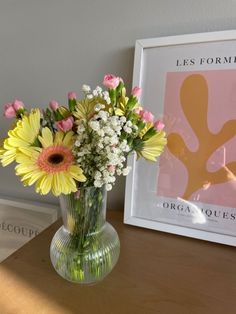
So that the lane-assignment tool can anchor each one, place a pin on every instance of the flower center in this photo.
(55, 159)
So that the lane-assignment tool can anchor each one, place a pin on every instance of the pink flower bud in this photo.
(9, 111)
(136, 91)
(65, 124)
(159, 125)
(77, 194)
(72, 95)
(147, 116)
(138, 110)
(17, 104)
(111, 81)
(53, 105)
(111, 168)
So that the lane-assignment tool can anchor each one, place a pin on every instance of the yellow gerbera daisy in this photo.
(24, 134)
(52, 166)
(153, 147)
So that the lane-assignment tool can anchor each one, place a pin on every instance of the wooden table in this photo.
(156, 273)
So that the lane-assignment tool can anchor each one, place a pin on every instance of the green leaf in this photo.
(57, 115)
(112, 95)
(72, 104)
(138, 144)
(151, 132)
(141, 125)
(131, 102)
(119, 88)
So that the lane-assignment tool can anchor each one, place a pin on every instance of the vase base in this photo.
(89, 264)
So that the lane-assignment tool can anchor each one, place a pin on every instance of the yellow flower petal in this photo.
(46, 139)
(59, 137)
(77, 173)
(46, 184)
(24, 134)
(68, 139)
(154, 146)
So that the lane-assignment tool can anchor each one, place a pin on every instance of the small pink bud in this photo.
(159, 125)
(136, 91)
(53, 105)
(77, 194)
(111, 168)
(17, 104)
(65, 124)
(138, 110)
(147, 116)
(9, 111)
(111, 81)
(72, 95)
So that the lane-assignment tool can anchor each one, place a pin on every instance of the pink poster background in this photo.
(172, 177)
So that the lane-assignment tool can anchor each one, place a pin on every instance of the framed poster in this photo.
(190, 82)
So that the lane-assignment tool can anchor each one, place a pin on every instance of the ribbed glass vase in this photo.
(86, 248)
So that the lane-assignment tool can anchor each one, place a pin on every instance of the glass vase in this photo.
(86, 248)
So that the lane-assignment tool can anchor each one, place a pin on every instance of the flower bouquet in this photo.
(76, 152)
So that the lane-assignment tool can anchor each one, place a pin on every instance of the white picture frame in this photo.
(154, 59)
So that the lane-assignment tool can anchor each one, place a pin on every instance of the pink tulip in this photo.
(65, 124)
(147, 116)
(17, 104)
(72, 95)
(111, 81)
(9, 111)
(136, 91)
(159, 125)
(53, 105)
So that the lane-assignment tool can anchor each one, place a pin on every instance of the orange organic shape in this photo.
(194, 102)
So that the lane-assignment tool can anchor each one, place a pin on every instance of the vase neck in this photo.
(84, 210)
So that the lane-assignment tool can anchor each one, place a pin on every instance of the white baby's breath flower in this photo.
(119, 172)
(86, 88)
(103, 115)
(98, 107)
(112, 179)
(95, 93)
(90, 96)
(108, 130)
(122, 119)
(98, 89)
(114, 120)
(100, 145)
(108, 100)
(101, 132)
(114, 140)
(97, 175)
(94, 125)
(77, 143)
(108, 187)
(80, 128)
(98, 183)
(127, 129)
(126, 171)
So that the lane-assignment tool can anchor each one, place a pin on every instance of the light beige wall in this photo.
(49, 47)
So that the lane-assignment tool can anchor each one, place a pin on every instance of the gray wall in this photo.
(48, 48)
